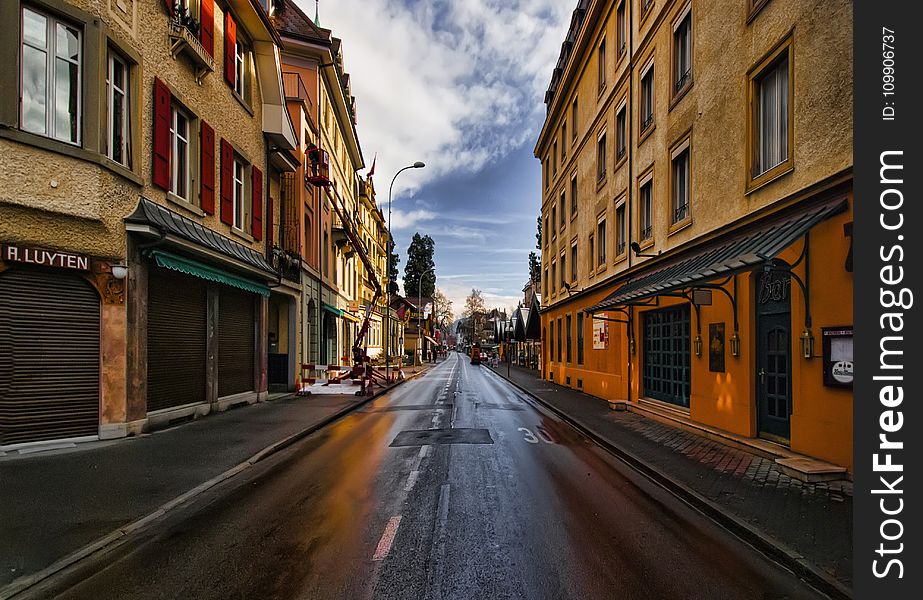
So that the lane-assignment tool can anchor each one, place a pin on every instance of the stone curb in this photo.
(121, 535)
(763, 542)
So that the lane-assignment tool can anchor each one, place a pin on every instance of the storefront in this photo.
(54, 347)
(205, 342)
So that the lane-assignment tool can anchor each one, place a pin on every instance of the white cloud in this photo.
(449, 83)
(410, 219)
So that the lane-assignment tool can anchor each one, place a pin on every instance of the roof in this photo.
(725, 255)
(291, 20)
(169, 222)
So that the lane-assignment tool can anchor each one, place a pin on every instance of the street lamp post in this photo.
(416, 165)
(420, 313)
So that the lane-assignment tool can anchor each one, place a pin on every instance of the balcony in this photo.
(184, 39)
(294, 89)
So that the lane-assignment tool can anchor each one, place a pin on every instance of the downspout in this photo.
(629, 147)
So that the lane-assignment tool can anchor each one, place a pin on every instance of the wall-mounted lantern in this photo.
(631, 345)
(119, 271)
(807, 343)
(735, 344)
(697, 344)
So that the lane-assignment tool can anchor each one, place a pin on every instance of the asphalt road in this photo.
(503, 501)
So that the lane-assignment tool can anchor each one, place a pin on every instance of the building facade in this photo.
(140, 143)
(696, 211)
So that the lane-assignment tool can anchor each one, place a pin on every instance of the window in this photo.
(563, 142)
(621, 129)
(573, 261)
(771, 121)
(563, 210)
(545, 284)
(667, 364)
(622, 30)
(50, 77)
(563, 270)
(551, 342)
(601, 63)
(573, 195)
(592, 255)
(601, 240)
(601, 157)
(241, 69)
(680, 183)
(546, 230)
(573, 120)
(647, 207)
(554, 277)
(545, 171)
(554, 217)
(645, 6)
(559, 339)
(682, 53)
(239, 189)
(569, 334)
(118, 135)
(647, 98)
(620, 230)
(554, 158)
(579, 338)
(181, 171)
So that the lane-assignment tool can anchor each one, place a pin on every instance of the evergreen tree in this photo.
(419, 261)
(535, 264)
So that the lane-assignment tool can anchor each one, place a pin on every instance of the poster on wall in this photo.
(600, 333)
(716, 347)
(838, 356)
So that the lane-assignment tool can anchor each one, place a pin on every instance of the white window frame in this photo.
(621, 21)
(601, 62)
(620, 210)
(111, 118)
(678, 72)
(674, 187)
(602, 241)
(50, 51)
(239, 192)
(621, 129)
(241, 67)
(176, 150)
(780, 126)
(601, 158)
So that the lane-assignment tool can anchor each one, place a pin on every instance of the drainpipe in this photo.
(630, 119)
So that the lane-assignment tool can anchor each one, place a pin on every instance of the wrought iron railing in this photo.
(646, 232)
(680, 212)
(647, 122)
(683, 79)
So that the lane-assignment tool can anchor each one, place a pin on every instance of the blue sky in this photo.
(458, 85)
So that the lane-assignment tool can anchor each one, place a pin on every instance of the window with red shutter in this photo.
(207, 141)
(227, 182)
(230, 48)
(207, 34)
(256, 198)
(160, 175)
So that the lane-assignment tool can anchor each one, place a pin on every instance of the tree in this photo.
(535, 268)
(393, 274)
(420, 263)
(538, 235)
(474, 303)
(444, 315)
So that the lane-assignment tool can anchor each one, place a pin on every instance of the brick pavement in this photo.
(813, 520)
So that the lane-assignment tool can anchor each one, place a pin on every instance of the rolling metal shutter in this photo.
(49, 356)
(176, 328)
(236, 340)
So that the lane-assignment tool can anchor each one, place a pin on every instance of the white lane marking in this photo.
(387, 538)
(424, 450)
(528, 435)
(411, 480)
(454, 415)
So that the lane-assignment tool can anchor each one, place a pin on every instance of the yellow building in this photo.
(139, 142)
(373, 232)
(696, 210)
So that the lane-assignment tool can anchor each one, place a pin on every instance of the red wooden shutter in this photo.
(161, 167)
(256, 228)
(270, 220)
(207, 135)
(207, 35)
(230, 48)
(227, 182)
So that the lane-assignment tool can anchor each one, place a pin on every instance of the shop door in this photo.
(774, 357)
(236, 342)
(176, 333)
(49, 357)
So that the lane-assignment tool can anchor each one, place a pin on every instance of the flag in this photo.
(372, 170)
(400, 312)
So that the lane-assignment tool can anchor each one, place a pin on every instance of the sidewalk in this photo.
(810, 523)
(57, 502)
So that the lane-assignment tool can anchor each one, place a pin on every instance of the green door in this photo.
(774, 357)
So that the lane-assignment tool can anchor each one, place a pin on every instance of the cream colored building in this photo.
(139, 146)
(717, 136)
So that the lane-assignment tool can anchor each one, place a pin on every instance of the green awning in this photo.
(331, 309)
(188, 266)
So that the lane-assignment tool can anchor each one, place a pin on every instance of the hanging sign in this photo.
(45, 258)
(838, 356)
(600, 332)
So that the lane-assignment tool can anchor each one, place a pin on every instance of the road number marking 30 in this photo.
(530, 437)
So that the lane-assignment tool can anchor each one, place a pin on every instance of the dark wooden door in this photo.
(774, 357)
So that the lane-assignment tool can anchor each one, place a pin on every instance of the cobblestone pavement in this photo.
(812, 519)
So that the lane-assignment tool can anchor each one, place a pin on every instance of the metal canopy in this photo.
(725, 255)
(168, 222)
(181, 264)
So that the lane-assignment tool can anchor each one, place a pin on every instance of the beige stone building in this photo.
(696, 210)
(141, 146)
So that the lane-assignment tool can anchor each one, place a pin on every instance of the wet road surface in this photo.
(503, 501)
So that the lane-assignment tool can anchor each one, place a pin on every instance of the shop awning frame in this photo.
(187, 266)
(331, 309)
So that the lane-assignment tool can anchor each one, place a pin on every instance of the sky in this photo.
(458, 85)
